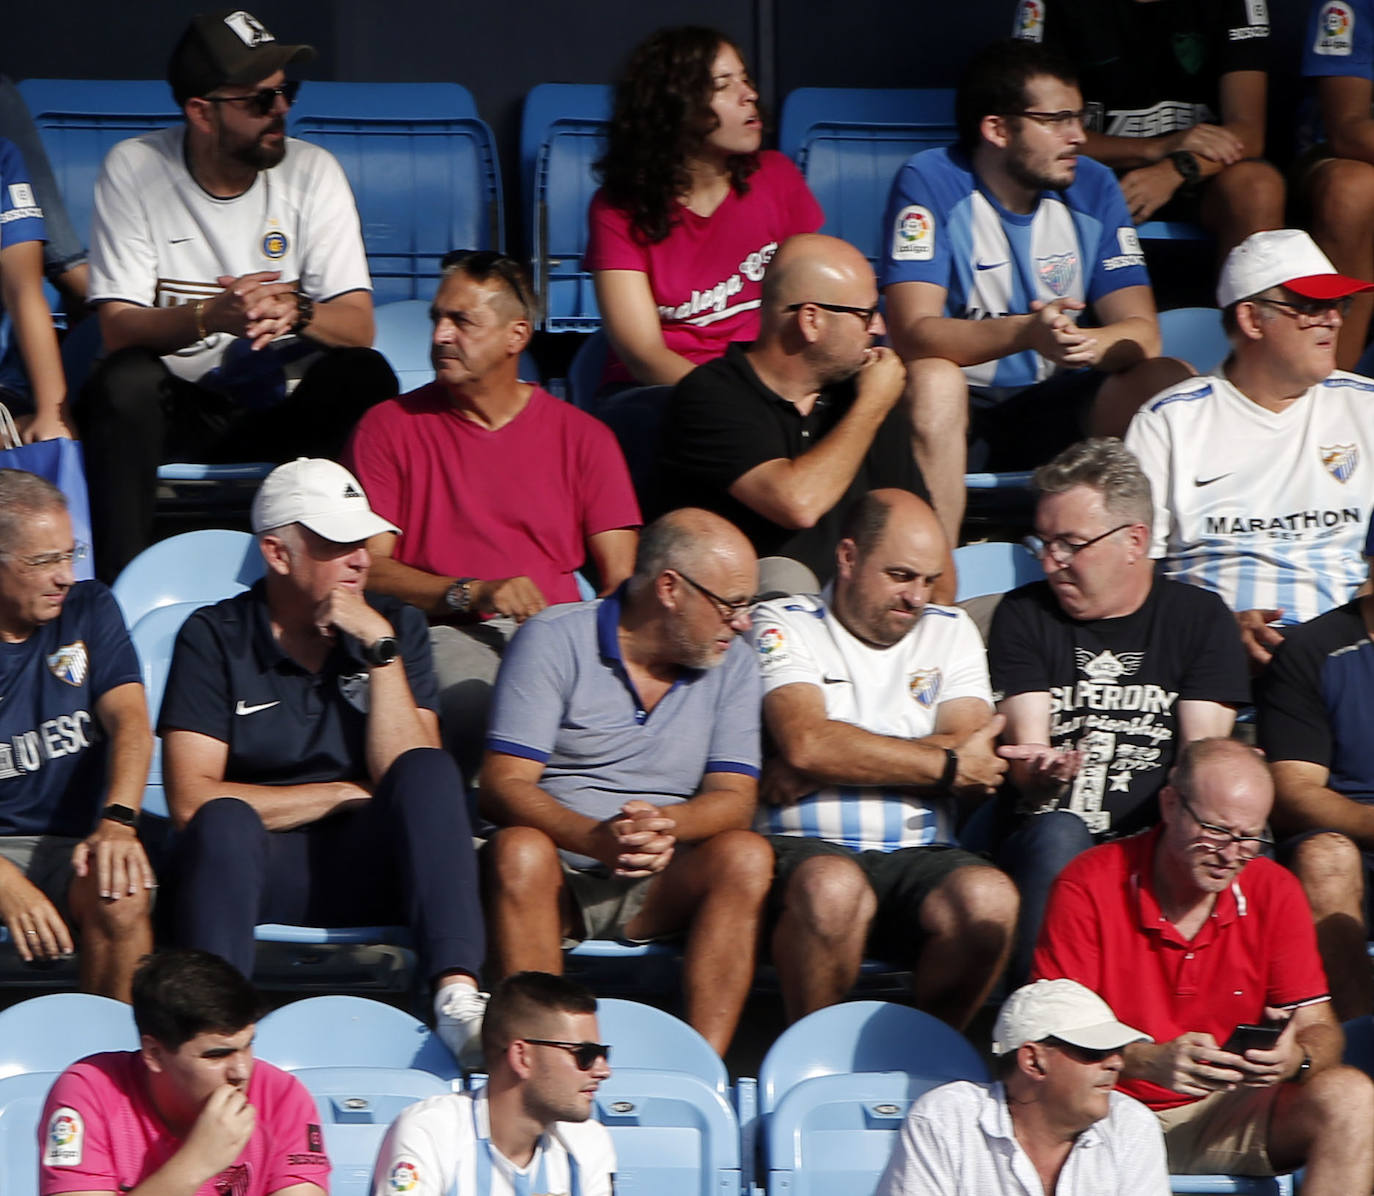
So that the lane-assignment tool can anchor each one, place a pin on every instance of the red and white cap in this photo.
(1282, 257)
(318, 494)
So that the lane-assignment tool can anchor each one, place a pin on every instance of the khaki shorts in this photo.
(1225, 1133)
(607, 903)
(46, 862)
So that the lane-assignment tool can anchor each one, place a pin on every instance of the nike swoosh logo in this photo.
(180, 240)
(1209, 481)
(244, 708)
(987, 265)
(836, 680)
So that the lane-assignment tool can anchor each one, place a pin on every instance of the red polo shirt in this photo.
(1104, 929)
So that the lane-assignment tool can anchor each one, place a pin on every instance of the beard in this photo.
(256, 153)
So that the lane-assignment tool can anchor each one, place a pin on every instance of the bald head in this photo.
(814, 267)
(685, 540)
(1226, 769)
(867, 521)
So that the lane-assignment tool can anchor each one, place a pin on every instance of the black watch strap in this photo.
(124, 815)
(305, 311)
(951, 769)
(381, 652)
(1187, 166)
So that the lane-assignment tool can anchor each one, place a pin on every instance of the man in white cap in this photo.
(1052, 1122)
(1261, 473)
(302, 758)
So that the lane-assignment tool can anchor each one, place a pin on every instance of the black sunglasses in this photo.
(262, 101)
(584, 1053)
(866, 314)
(481, 264)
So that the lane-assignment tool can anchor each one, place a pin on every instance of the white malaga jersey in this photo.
(158, 239)
(1268, 509)
(893, 691)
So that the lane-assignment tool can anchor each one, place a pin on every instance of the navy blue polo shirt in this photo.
(52, 749)
(564, 698)
(283, 725)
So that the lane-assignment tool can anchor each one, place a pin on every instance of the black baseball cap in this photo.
(227, 46)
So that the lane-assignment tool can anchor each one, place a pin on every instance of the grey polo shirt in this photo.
(563, 697)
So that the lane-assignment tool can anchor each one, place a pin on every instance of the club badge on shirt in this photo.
(70, 663)
(64, 1139)
(1340, 460)
(925, 686)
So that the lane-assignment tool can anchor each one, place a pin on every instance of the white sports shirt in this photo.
(442, 1147)
(159, 240)
(889, 691)
(1267, 509)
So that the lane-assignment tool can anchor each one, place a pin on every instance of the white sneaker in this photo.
(458, 1013)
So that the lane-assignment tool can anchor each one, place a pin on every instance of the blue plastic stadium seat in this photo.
(644, 1037)
(403, 338)
(200, 567)
(340, 1031)
(423, 168)
(21, 1108)
(50, 1032)
(1194, 334)
(850, 143)
(79, 120)
(562, 132)
(994, 568)
(1172, 230)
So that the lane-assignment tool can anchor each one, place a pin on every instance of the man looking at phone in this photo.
(1187, 935)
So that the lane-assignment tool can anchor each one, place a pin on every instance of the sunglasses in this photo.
(481, 264)
(262, 101)
(584, 1053)
(866, 314)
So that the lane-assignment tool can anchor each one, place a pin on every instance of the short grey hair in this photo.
(664, 544)
(22, 496)
(1104, 464)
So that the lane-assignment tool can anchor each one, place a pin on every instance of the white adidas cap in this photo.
(318, 494)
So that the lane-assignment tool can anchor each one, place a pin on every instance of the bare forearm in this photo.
(394, 722)
(709, 813)
(161, 329)
(964, 342)
(33, 330)
(1126, 153)
(511, 802)
(1310, 807)
(281, 807)
(837, 753)
(1126, 342)
(342, 324)
(1323, 1043)
(422, 590)
(655, 367)
(127, 768)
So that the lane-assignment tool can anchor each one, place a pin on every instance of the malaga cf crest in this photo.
(70, 663)
(1340, 460)
(925, 686)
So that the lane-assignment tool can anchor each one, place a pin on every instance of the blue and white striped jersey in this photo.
(1268, 509)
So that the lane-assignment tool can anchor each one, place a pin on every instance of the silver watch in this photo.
(458, 597)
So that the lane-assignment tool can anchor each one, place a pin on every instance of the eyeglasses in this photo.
(1082, 1054)
(1062, 551)
(866, 314)
(481, 264)
(1218, 838)
(1308, 311)
(47, 560)
(729, 611)
(584, 1053)
(1058, 121)
(262, 101)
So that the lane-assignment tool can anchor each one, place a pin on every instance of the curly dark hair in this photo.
(662, 118)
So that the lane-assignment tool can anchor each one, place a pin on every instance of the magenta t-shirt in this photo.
(706, 275)
(519, 501)
(102, 1134)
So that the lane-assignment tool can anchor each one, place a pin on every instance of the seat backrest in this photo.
(644, 1037)
(674, 1134)
(424, 172)
(50, 1032)
(864, 1036)
(21, 1109)
(339, 1031)
(199, 567)
(80, 120)
(356, 1106)
(836, 1133)
(851, 142)
(994, 567)
(403, 338)
(1194, 334)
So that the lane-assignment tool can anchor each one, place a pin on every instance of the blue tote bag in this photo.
(61, 463)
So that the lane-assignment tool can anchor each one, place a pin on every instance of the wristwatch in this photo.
(458, 597)
(951, 769)
(1186, 164)
(305, 311)
(381, 652)
(1303, 1068)
(123, 815)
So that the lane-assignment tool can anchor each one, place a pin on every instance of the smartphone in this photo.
(1252, 1038)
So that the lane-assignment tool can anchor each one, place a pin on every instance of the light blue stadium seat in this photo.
(154, 637)
(994, 567)
(1276, 1185)
(50, 1032)
(644, 1037)
(562, 132)
(200, 567)
(834, 1087)
(403, 338)
(850, 143)
(1172, 230)
(1194, 334)
(423, 168)
(357, 1105)
(79, 120)
(340, 1031)
(21, 1109)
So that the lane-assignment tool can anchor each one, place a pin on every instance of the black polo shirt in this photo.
(284, 725)
(723, 421)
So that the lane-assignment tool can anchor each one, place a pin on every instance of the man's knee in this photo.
(521, 859)
(226, 828)
(1251, 186)
(425, 777)
(831, 896)
(1329, 863)
(973, 897)
(739, 861)
(938, 394)
(1341, 1103)
(117, 919)
(127, 385)
(1341, 197)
